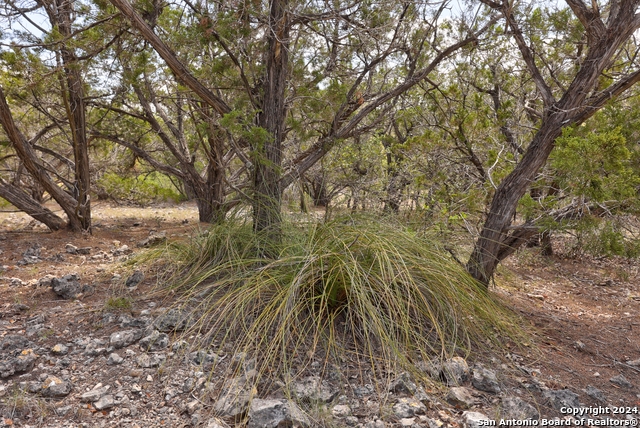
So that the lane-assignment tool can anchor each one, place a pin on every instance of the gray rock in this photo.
(460, 397)
(408, 407)
(60, 349)
(192, 407)
(153, 239)
(147, 361)
(235, 397)
(95, 394)
(204, 358)
(276, 413)
(155, 341)
(375, 424)
(172, 320)
(84, 250)
(407, 422)
(94, 348)
(14, 360)
(403, 385)
(516, 408)
(351, 421)
(363, 391)
(485, 380)
(68, 287)
(16, 282)
(595, 393)
(114, 359)
(341, 411)
(455, 371)
(45, 281)
(474, 419)
(315, 389)
(127, 321)
(120, 251)
(215, 423)
(55, 387)
(15, 342)
(622, 381)
(71, 249)
(120, 339)
(105, 402)
(562, 398)
(63, 410)
(136, 278)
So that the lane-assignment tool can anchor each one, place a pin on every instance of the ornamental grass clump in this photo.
(361, 290)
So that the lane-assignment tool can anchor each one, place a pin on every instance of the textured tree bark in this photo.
(27, 204)
(268, 154)
(81, 220)
(579, 102)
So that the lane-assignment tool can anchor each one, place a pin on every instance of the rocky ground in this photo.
(82, 344)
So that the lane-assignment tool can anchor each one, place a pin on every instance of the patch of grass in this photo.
(18, 403)
(360, 290)
(118, 303)
(46, 333)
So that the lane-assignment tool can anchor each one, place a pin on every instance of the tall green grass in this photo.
(362, 290)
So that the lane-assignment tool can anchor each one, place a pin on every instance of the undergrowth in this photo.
(357, 290)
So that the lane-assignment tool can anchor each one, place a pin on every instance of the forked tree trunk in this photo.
(579, 102)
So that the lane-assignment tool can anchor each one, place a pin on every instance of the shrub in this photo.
(363, 289)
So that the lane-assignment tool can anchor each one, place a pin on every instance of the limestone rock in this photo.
(276, 413)
(235, 397)
(172, 320)
(120, 339)
(408, 407)
(114, 359)
(68, 287)
(155, 341)
(455, 371)
(595, 393)
(403, 385)
(474, 419)
(104, 402)
(341, 411)
(562, 398)
(95, 394)
(136, 278)
(55, 387)
(516, 408)
(315, 389)
(485, 380)
(460, 397)
(622, 381)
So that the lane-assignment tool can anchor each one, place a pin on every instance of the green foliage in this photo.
(357, 288)
(596, 165)
(140, 189)
(606, 238)
(118, 303)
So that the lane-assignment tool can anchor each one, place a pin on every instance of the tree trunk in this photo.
(268, 154)
(77, 120)
(32, 163)
(27, 204)
(579, 102)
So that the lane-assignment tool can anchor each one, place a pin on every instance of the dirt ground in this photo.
(584, 310)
